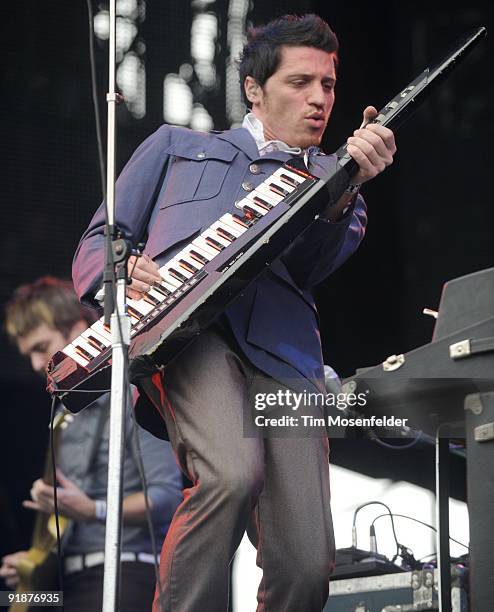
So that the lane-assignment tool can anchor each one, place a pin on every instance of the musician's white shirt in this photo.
(254, 126)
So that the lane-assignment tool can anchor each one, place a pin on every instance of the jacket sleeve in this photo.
(135, 193)
(325, 246)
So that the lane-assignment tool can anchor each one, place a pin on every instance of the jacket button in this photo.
(247, 186)
(201, 155)
(254, 168)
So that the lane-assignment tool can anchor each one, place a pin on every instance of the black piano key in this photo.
(160, 289)
(188, 266)
(176, 274)
(95, 343)
(150, 299)
(225, 234)
(199, 257)
(83, 352)
(279, 190)
(243, 221)
(288, 179)
(214, 243)
(134, 313)
(251, 212)
(262, 203)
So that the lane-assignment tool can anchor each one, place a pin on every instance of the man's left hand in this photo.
(372, 146)
(72, 501)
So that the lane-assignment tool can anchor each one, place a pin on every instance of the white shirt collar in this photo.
(256, 130)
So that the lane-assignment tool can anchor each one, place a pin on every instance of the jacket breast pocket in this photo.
(194, 174)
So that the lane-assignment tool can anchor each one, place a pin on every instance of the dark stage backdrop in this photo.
(430, 215)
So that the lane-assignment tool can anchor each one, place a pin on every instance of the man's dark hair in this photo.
(262, 53)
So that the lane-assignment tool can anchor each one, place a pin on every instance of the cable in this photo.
(354, 528)
(411, 518)
(55, 497)
(427, 556)
(58, 392)
(371, 435)
(397, 447)
(94, 90)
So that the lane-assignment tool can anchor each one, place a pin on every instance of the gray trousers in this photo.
(276, 488)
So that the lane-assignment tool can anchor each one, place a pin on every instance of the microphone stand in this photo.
(116, 255)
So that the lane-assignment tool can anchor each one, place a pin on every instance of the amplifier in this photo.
(403, 592)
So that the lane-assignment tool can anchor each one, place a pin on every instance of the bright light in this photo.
(203, 36)
(102, 25)
(131, 78)
(237, 17)
(177, 100)
(127, 8)
(201, 120)
(206, 73)
(126, 32)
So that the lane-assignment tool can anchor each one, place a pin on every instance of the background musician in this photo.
(41, 318)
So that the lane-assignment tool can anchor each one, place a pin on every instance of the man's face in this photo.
(295, 103)
(40, 345)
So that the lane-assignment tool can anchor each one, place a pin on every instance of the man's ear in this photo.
(77, 329)
(253, 90)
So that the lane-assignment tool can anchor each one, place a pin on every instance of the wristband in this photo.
(100, 510)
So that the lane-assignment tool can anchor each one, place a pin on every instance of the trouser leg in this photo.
(83, 591)
(206, 394)
(295, 530)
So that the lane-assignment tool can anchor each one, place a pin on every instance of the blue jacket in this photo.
(177, 183)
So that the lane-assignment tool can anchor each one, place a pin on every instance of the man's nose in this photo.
(317, 95)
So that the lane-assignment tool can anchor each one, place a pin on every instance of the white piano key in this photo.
(70, 351)
(291, 175)
(84, 344)
(156, 295)
(274, 180)
(218, 225)
(161, 288)
(266, 192)
(202, 252)
(253, 206)
(235, 228)
(266, 203)
(169, 280)
(91, 331)
(211, 233)
(175, 264)
(193, 262)
(102, 331)
(140, 305)
(202, 244)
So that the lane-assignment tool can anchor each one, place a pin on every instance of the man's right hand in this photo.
(143, 273)
(8, 569)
